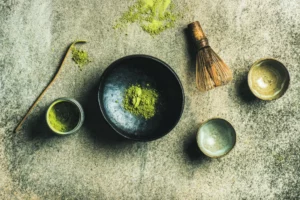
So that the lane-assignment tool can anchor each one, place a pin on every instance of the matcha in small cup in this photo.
(65, 116)
(216, 137)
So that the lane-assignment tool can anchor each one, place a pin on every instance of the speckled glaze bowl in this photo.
(141, 70)
(268, 79)
(216, 137)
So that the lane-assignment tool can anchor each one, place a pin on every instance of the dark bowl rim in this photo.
(114, 64)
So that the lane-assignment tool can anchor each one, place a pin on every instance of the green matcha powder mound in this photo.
(141, 101)
(154, 16)
(80, 57)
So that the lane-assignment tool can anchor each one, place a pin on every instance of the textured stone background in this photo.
(96, 164)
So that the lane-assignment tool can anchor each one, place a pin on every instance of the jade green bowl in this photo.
(216, 137)
(268, 79)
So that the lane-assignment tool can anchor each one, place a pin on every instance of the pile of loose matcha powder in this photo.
(154, 16)
(80, 57)
(141, 101)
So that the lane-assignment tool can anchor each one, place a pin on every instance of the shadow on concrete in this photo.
(191, 54)
(97, 128)
(191, 149)
(243, 90)
(36, 127)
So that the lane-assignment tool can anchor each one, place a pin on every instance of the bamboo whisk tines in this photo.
(211, 71)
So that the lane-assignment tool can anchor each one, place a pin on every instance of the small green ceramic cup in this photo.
(65, 116)
(268, 79)
(216, 137)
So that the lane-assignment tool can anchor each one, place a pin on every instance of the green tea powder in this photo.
(80, 57)
(154, 16)
(63, 116)
(140, 101)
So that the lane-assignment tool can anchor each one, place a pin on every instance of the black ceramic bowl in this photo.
(143, 70)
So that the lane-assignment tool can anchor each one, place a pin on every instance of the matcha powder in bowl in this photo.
(65, 116)
(154, 16)
(140, 101)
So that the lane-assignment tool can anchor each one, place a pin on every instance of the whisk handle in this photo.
(198, 35)
(201, 43)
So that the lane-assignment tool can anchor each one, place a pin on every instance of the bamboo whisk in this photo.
(211, 71)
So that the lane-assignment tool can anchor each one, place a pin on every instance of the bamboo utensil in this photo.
(211, 71)
(48, 86)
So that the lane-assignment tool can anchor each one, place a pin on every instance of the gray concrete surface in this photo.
(95, 163)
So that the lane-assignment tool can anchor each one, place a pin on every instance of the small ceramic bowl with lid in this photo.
(216, 137)
(268, 79)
